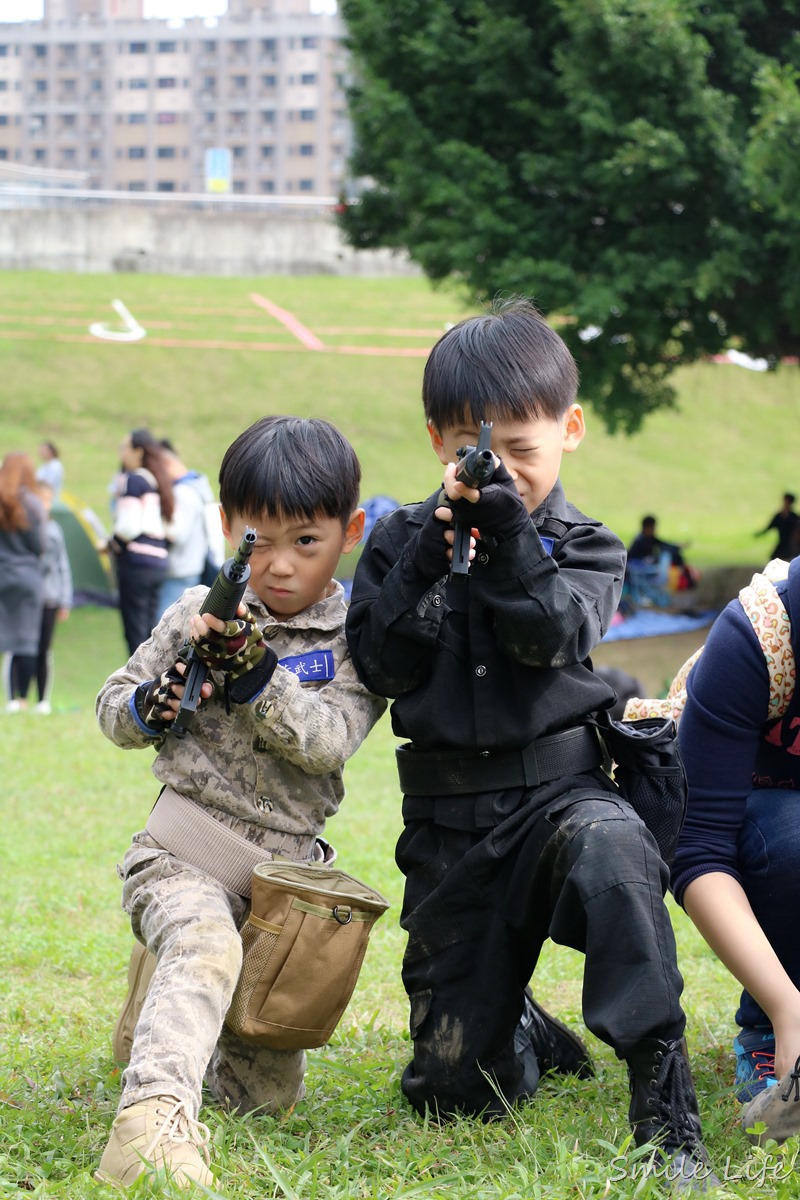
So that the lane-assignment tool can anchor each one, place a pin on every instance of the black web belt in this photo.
(452, 773)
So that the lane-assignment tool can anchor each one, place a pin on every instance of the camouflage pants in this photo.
(191, 923)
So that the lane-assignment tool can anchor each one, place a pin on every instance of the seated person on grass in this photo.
(263, 760)
(513, 831)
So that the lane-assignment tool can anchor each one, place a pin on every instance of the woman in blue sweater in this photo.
(737, 867)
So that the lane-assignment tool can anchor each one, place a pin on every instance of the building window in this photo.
(209, 117)
(167, 82)
(3, 51)
(306, 185)
(137, 118)
(40, 51)
(267, 185)
(40, 85)
(267, 151)
(309, 43)
(268, 45)
(308, 114)
(136, 185)
(165, 152)
(68, 121)
(269, 81)
(40, 156)
(308, 79)
(209, 47)
(306, 150)
(239, 152)
(137, 84)
(137, 47)
(167, 47)
(3, 85)
(166, 118)
(240, 82)
(94, 153)
(68, 156)
(3, 154)
(3, 119)
(95, 85)
(165, 185)
(238, 186)
(137, 152)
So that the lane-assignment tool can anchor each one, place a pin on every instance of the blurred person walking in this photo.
(51, 470)
(143, 505)
(22, 540)
(187, 532)
(57, 593)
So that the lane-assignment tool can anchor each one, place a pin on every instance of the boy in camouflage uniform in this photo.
(257, 776)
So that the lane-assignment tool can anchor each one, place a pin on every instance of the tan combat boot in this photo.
(140, 972)
(157, 1134)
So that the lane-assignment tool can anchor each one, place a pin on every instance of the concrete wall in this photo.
(173, 240)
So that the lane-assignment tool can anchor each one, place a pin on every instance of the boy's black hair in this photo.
(290, 467)
(508, 364)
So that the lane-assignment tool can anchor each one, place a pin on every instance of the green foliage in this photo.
(629, 163)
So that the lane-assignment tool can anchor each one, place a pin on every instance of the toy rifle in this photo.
(223, 599)
(475, 468)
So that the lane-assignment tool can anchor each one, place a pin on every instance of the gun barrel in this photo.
(476, 468)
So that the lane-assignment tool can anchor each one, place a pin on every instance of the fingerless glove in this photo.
(237, 650)
(427, 550)
(152, 699)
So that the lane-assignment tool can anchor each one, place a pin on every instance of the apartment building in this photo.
(139, 104)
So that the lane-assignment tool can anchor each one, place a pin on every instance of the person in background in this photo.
(143, 504)
(57, 581)
(22, 540)
(51, 470)
(785, 524)
(186, 532)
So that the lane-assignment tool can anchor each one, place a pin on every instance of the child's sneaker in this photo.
(777, 1108)
(157, 1134)
(755, 1063)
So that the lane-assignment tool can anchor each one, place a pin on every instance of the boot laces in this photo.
(673, 1099)
(764, 1064)
(176, 1128)
(794, 1083)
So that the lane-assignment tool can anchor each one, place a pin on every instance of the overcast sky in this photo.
(31, 10)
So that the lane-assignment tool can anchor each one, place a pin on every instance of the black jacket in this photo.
(502, 657)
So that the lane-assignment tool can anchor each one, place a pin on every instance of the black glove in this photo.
(152, 699)
(238, 649)
(427, 550)
(500, 512)
(241, 689)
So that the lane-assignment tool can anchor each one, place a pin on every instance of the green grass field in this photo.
(71, 800)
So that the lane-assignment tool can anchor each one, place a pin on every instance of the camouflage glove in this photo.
(152, 699)
(238, 649)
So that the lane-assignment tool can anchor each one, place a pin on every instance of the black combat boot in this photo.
(664, 1111)
(556, 1048)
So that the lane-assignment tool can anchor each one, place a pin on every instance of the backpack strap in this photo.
(770, 620)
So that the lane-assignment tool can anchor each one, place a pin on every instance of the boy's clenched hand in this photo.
(234, 646)
(498, 510)
(158, 701)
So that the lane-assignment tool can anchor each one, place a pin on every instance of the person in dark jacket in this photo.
(513, 831)
(736, 870)
(22, 542)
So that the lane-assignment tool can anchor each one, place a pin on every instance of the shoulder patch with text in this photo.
(314, 667)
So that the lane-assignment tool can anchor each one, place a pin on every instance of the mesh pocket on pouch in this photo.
(649, 773)
(304, 943)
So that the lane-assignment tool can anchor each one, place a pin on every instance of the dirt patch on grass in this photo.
(654, 660)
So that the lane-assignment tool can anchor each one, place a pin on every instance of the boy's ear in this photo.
(226, 529)
(354, 530)
(574, 427)
(437, 443)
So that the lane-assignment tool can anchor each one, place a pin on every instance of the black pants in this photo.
(139, 588)
(488, 879)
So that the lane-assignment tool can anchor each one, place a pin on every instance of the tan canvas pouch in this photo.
(304, 943)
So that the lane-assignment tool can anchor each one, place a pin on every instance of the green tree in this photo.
(631, 164)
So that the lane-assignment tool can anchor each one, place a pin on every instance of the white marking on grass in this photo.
(133, 331)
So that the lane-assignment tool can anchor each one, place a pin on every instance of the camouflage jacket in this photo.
(274, 765)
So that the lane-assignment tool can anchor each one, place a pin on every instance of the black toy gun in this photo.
(475, 468)
(223, 599)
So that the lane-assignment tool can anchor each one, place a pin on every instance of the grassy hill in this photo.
(712, 470)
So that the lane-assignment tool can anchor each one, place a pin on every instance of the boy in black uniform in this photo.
(513, 831)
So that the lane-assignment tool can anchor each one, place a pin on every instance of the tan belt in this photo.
(188, 831)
